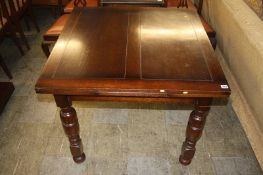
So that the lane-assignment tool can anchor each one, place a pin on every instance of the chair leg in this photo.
(45, 47)
(16, 41)
(6, 70)
(33, 18)
(21, 33)
(27, 24)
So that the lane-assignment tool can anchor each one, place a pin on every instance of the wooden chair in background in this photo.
(52, 34)
(199, 5)
(6, 29)
(5, 69)
(4, 24)
(19, 9)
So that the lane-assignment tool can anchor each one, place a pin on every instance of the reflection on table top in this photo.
(142, 49)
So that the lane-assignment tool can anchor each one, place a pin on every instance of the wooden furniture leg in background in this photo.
(194, 130)
(45, 47)
(4, 67)
(19, 29)
(33, 18)
(6, 90)
(70, 124)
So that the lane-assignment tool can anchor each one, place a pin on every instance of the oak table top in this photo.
(143, 55)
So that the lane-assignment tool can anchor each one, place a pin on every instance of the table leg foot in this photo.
(80, 159)
(70, 124)
(194, 130)
(187, 153)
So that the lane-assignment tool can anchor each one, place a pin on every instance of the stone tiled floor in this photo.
(118, 138)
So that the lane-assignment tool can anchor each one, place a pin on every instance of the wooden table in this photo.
(155, 55)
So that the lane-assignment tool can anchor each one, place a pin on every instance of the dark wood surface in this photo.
(130, 51)
(139, 55)
(6, 90)
(208, 28)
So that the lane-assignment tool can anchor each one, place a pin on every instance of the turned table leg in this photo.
(70, 124)
(194, 130)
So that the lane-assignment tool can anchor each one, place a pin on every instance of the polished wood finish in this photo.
(134, 99)
(53, 33)
(6, 90)
(139, 55)
(194, 129)
(70, 124)
(199, 5)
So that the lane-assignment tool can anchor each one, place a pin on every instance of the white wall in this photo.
(240, 39)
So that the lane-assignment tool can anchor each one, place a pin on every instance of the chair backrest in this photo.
(4, 15)
(16, 6)
(2, 19)
(19, 4)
